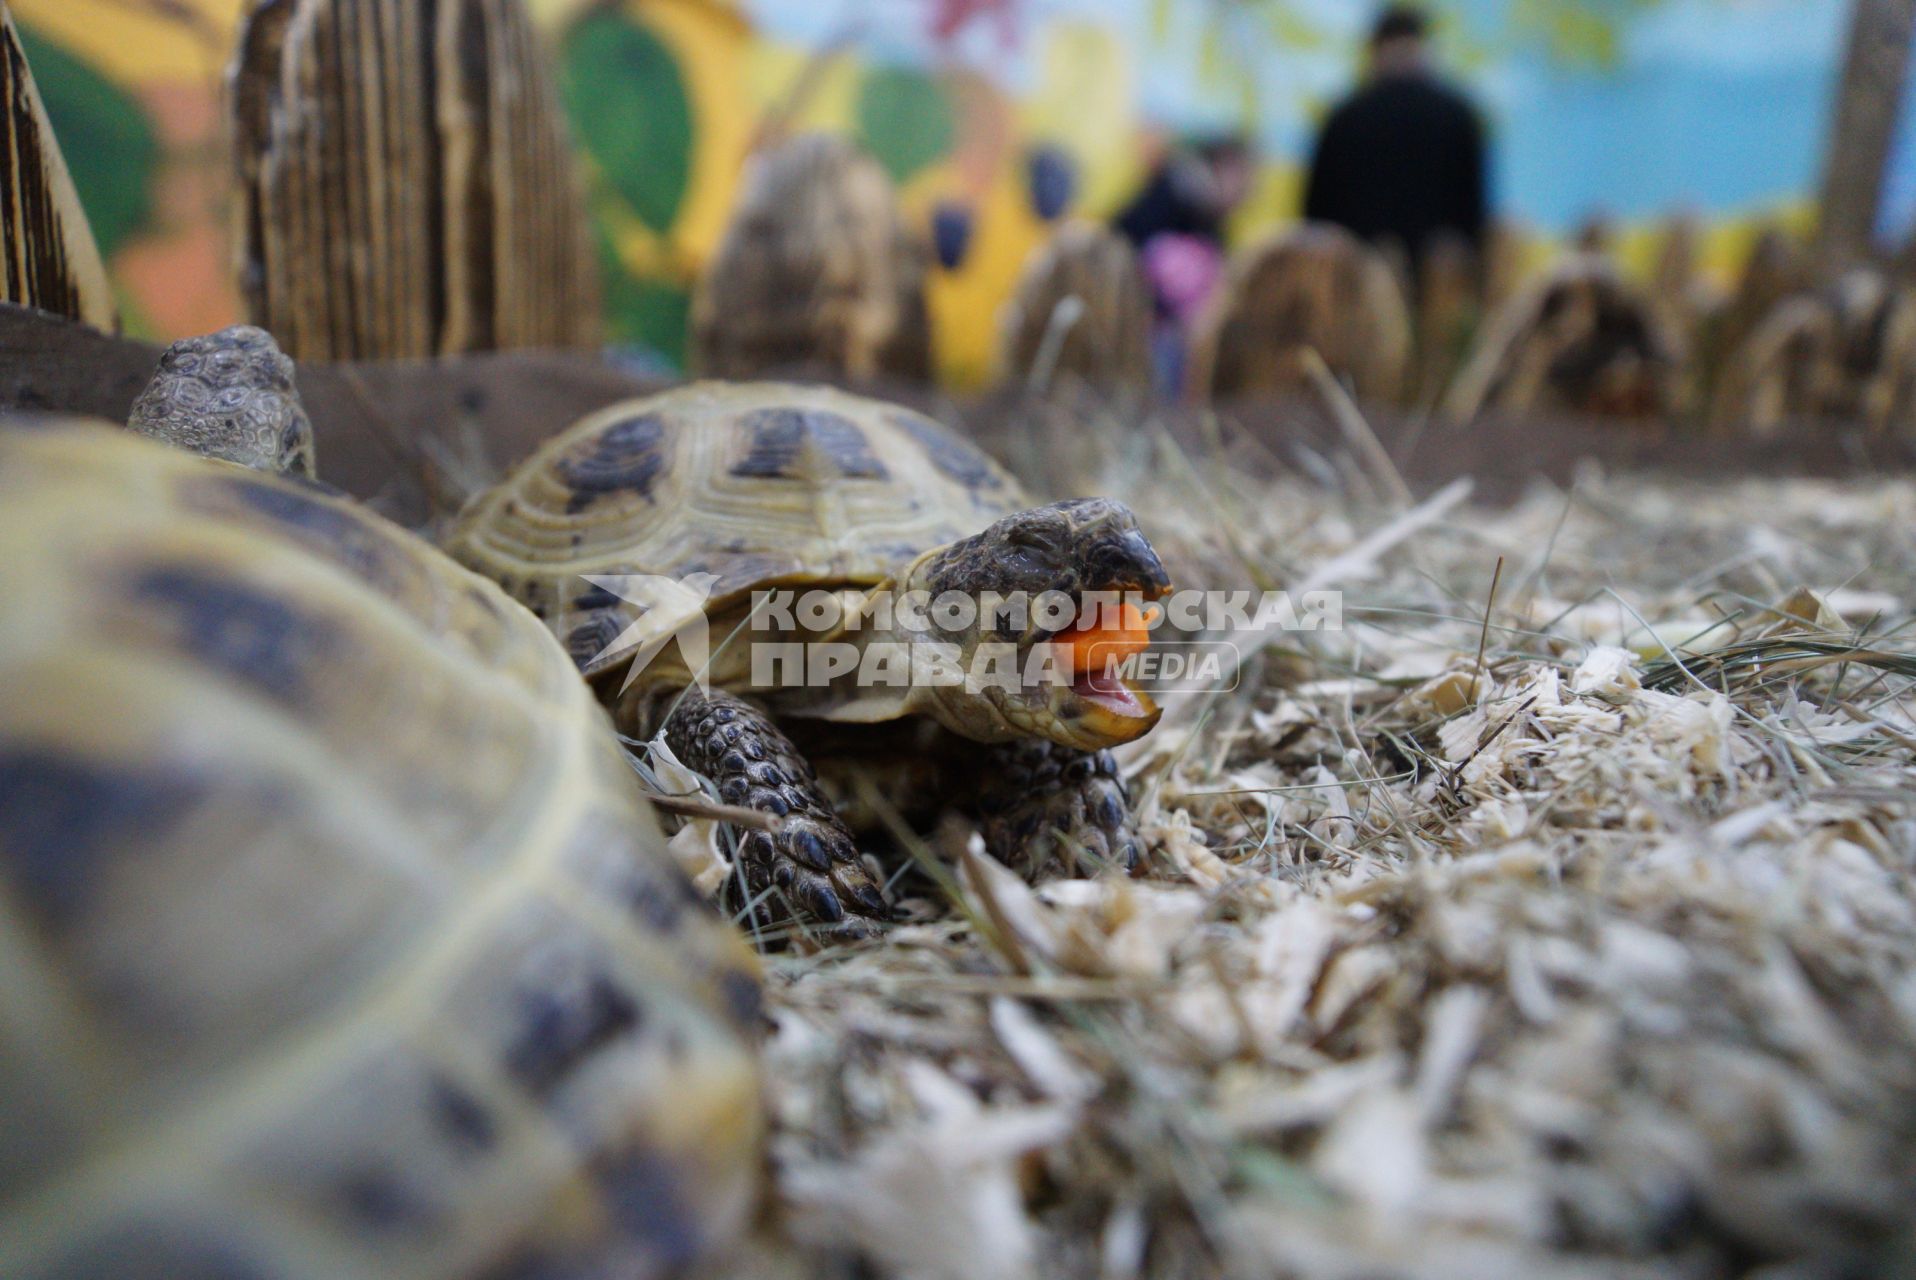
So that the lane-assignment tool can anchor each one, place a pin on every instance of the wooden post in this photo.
(1868, 105)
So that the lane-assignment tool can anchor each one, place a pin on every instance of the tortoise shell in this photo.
(817, 273)
(1845, 353)
(1107, 342)
(337, 940)
(1313, 286)
(753, 483)
(1580, 340)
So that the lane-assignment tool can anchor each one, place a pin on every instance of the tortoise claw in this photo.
(812, 861)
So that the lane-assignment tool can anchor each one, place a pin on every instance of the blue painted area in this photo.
(1642, 142)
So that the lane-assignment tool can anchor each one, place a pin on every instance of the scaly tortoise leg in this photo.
(1039, 802)
(811, 857)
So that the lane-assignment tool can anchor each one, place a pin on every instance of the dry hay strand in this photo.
(52, 261)
(1080, 312)
(816, 273)
(1569, 933)
(1313, 287)
(406, 185)
(1578, 341)
(1846, 353)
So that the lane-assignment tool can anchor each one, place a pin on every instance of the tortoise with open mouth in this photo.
(673, 517)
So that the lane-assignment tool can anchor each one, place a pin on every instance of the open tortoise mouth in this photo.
(1103, 705)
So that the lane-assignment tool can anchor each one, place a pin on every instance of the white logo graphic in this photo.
(669, 609)
(808, 639)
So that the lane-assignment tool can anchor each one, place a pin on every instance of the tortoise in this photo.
(708, 496)
(406, 184)
(1105, 341)
(816, 273)
(1315, 286)
(338, 941)
(1777, 268)
(1846, 352)
(1581, 341)
(1449, 301)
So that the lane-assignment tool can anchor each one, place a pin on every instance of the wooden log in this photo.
(377, 422)
(1863, 127)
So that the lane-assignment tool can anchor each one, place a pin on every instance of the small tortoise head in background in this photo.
(228, 395)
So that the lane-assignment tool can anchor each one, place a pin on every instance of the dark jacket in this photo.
(1167, 206)
(1401, 158)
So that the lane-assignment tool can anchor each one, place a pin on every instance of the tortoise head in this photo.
(1042, 577)
(228, 395)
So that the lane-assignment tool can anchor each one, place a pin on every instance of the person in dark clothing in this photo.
(1190, 193)
(1401, 159)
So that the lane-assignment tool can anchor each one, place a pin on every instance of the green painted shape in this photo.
(653, 314)
(628, 105)
(110, 146)
(903, 119)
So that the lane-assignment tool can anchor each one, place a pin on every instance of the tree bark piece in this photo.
(52, 261)
(1875, 76)
(407, 188)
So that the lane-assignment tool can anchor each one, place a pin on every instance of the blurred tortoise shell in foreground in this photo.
(816, 273)
(1578, 341)
(1080, 311)
(339, 941)
(406, 187)
(1313, 287)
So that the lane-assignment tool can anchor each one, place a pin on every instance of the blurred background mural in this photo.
(994, 116)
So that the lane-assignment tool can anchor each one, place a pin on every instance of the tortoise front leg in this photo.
(810, 857)
(1039, 802)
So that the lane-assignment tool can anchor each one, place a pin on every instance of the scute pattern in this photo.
(228, 395)
(628, 455)
(764, 483)
(365, 959)
(798, 444)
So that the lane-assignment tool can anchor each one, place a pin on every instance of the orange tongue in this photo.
(1102, 637)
